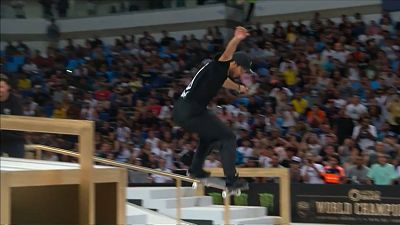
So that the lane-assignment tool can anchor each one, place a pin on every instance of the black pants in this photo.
(195, 118)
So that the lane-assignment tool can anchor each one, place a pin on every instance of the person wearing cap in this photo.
(12, 142)
(190, 111)
(294, 169)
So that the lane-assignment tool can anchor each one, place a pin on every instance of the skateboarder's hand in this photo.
(241, 33)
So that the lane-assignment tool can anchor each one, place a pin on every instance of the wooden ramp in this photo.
(46, 192)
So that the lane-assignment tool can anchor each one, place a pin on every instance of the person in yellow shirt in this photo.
(290, 75)
(291, 36)
(24, 83)
(60, 111)
(299, 103)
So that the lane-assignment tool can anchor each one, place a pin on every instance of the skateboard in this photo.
(219, 183)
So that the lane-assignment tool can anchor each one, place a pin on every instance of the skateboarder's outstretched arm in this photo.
(240, 34)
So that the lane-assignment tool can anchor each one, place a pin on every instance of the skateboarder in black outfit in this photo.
(190, 111)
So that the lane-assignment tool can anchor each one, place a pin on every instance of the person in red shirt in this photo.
(334, 174)
(154, 106)
(103, 93)
(315, 116)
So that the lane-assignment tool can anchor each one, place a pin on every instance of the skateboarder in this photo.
(190, 111)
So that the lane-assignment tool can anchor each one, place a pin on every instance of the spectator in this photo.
(355, 110)
(358, 173)
(316, 116)
(12, 142)
(343, 126)
(382, 173)
(29, 66)
(265, 157)
(212, 162)
(299, 103)
(311, 172)
(334, 174)
(295, 172)
(10, 49)
(364, 134)
(24, 84)
(53, 34)
(245, 149)
(161, 179)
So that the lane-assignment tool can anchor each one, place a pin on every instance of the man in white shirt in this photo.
(339, 53)
(246, 150)
(152, 139)
(166, 112)
(212, 162)
(29, 66)
(241, 123)
(161, 179)
(265, 157)
(167, 154)
(311, 172)
(123, 132)
(355, 109)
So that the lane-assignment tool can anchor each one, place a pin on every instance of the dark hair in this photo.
(4, 78)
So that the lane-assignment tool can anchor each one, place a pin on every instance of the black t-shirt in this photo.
(207, 82)
(11, 106)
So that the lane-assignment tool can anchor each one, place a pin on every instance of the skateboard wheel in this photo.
(224, 194)
(238, 192)
(194, 185)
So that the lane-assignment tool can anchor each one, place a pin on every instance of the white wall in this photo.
(38, 25)
(268, 8)
(199, 14)
(78, 8)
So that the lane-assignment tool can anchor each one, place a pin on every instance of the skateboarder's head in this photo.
(241, 64)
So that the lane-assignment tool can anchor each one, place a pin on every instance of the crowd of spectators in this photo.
(325, 102)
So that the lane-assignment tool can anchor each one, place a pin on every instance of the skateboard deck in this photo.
(219, 183)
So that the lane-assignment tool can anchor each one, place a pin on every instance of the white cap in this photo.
(296, 159)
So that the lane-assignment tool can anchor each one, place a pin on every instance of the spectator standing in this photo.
(12, 142)
(53, 34)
